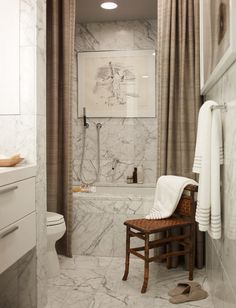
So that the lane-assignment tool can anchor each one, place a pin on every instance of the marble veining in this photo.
(18, 283)
(98, 228)
(90, 282)
(26, 134)
(130, 140)
(221, 253)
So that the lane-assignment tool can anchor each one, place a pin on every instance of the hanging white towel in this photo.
(208, 157)
(169, 189)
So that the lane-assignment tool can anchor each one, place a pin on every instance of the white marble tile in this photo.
(120, 301)
(132, 141)
(8, 135)
(110, 291)
(220, 259)
(41, 208)
(9, 288)
(115, 36)
(41, 25)
(99, 221)
(27, 22)
(93, 235)
(28, 80)
(27, 288)
(145, 33)
(26, 137)
(25, 133)
(41, 81)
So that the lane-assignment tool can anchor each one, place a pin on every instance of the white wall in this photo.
(26, 133)
(221, 254)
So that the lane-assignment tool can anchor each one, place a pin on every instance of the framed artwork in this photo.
(116, 83)
(217, 39)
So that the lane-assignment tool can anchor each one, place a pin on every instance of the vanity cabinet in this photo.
(17, 214)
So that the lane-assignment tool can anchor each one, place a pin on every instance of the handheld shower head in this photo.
(86, 125)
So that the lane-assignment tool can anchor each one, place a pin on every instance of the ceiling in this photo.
(90, 10)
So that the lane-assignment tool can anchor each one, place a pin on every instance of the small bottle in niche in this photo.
(135, 175)
(140, 175)
(129, 179)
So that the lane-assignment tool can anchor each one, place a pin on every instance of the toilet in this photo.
(55, 229)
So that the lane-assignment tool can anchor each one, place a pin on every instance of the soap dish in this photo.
(11, 161)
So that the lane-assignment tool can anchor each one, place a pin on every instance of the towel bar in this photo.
(223, 107)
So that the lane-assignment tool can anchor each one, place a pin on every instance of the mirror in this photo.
(9, 57)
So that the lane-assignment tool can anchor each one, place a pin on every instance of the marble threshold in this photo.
(93, 282)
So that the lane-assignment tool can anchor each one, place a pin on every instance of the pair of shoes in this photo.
(186, 292)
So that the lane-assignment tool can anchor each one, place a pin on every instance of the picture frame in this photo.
(116, 83)
(217, 40)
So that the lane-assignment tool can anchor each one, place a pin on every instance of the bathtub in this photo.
(113, 191)
(98, 228)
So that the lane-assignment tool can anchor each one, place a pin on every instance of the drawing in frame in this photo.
(116, 83)
(217, 39)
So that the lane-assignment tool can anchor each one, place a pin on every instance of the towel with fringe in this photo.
(169, 189)
(207, 161)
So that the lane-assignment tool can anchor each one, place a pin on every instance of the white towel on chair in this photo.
(208, 157)
(169, 189)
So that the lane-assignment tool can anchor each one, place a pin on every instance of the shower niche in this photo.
(114, 80)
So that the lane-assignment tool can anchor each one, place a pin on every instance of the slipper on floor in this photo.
(183, 287)
(195, 294)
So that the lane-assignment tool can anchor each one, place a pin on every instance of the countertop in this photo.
(10, 175)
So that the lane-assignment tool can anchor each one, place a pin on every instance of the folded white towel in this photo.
(169, 189)
(208, 157)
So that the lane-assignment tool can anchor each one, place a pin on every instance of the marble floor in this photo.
(94, 282)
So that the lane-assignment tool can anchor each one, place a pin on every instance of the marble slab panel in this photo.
(110, 291)
(98, 223)
(131, 141)
(220, 256)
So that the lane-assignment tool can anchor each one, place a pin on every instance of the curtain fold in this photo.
(60, 49)
(178, 69)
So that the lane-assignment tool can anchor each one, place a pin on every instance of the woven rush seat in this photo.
(153, 225)
(182, 219)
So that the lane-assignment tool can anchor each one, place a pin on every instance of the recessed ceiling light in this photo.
(109, 5)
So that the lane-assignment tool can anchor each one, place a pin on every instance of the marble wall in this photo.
(26, 134)
(98, 224)
(221, 253)
(18, 283)
(130, 140)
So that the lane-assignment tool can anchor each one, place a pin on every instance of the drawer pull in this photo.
(8, 232)
(8, 189)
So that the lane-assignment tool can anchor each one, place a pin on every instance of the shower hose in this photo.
(97, 171)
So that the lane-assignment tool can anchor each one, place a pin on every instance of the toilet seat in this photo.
(54, 219)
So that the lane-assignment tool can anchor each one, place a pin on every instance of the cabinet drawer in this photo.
(16, 201)
(16, 240)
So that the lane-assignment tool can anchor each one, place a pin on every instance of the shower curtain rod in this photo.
(223, 107)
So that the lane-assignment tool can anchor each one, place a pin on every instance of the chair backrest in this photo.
(187, 205)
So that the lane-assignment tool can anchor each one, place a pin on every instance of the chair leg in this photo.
(146, 264)
(168, 249)
(191, 252)
(127, 254)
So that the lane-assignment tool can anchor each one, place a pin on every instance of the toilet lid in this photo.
(54, 219)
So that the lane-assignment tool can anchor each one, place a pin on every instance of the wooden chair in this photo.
(183, 217)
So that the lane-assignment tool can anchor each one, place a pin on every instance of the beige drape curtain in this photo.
(178, 85)
(60, 48)
(178, 70)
